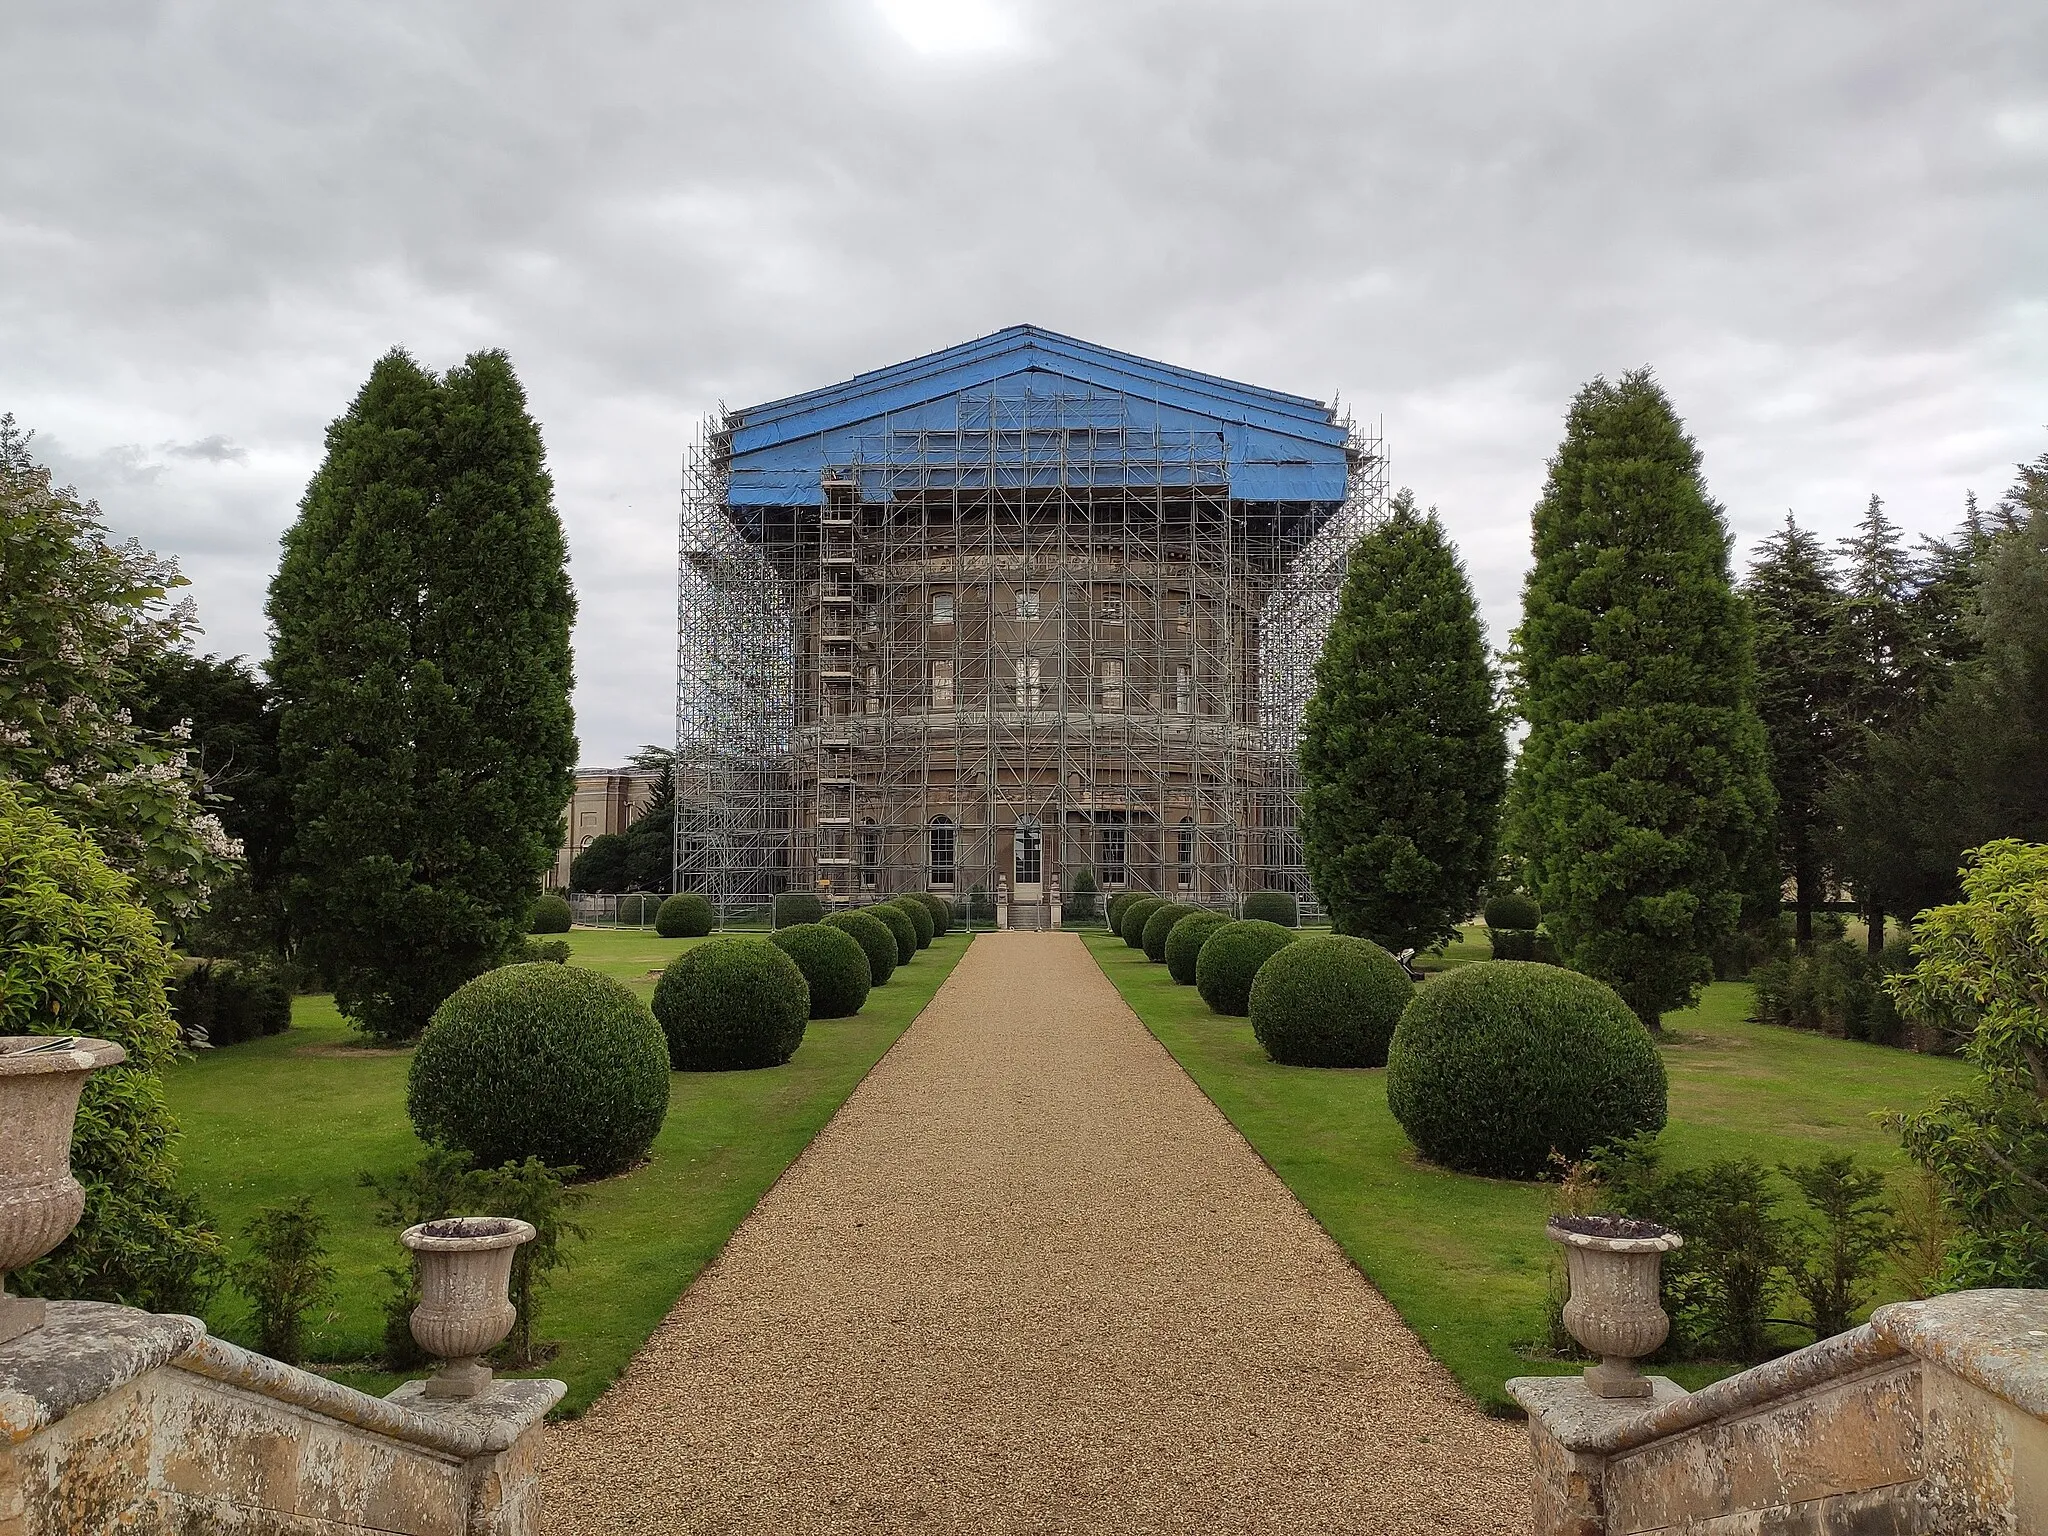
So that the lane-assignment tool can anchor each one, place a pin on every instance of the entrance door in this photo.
(1027, 872)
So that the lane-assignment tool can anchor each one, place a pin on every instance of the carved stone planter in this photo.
(1614, 1265)
(465, 1269)
(41, 1077)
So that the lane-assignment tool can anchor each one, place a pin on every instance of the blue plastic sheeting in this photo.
(1027, 407)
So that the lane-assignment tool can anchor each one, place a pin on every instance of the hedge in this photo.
(1329, 1002)
(224, 1002)
(547, 1061)
(875, 938)
(550, 914)
(834, 965)
(1131, 926)
(1495, 1067)
(637, 909)
(940, 909)
(1514, 910)
(1231, 957)
(798, 907)
(1184, 944)
(900, 925)
(1159, 925)
(1113, 914)
(1273, 907)
(920, 918)
(732, 1004)
(685, 915)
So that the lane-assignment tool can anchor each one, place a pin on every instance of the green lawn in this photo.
(1464, 1259)
(306, 1111)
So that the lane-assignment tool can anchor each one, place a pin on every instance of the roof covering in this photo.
(1030, 406)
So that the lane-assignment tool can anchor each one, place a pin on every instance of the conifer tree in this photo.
(421, 658)
(1803, 695)
(1643, 791)
(1403, 755)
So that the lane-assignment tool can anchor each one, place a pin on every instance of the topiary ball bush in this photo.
(798, 907)
(685, 915)
(550, 914)
(547, 1061)
(1113, 914)
(834, 965)
(875, 939)
(901, 926)
(1184, 944)
(920, 918)
(1512, 943)
(1131, 926)
(1273, 907)
(1231, 957)
(941, 912)
(1494, 1067)
(1513, 910)
(732, 1004)
(639, 909)
(1329, 1002)
(1158, 926)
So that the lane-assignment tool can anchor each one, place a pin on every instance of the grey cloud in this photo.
(216, 449)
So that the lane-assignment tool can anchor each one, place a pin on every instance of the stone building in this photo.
(995, 615)
(606, 800)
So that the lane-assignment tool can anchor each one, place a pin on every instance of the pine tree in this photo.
(1643, 791)
(1803, 690)
(421, 658)
(1403, 755)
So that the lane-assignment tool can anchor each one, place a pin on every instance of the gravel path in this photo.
(1030, 1280)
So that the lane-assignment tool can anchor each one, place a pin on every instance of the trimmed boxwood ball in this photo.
(685, 915)
(1329, 1002)
(942, 914)
(1231, 957)
(1273, 907)
(901, 926)
(920, 918)
(1514, 911)
(1184, 944)
(834, 966)
(732, 1004)
(547, 1061)
(1113, 914)
(874, 937)
(1494, 1067)
(1158, 926)
(1131, 926)
(550, 915)
(798, 907)
(639, 909)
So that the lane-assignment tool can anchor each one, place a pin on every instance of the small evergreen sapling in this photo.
(285, 1275)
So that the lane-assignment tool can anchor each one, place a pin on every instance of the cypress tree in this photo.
(1643, 794)
(1403, 754)
(1803, 691)
(421, 658)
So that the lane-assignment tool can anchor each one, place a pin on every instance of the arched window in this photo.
(870, 852)
(1184, 852)
(941, 839)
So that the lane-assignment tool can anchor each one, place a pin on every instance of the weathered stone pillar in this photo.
(1002, 901)
(1053, 910)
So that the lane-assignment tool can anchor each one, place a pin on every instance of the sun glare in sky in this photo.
(948, 26)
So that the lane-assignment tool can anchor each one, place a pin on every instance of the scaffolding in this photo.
(1038, 638)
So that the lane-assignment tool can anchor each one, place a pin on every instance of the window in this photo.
(1184, 852)
(1030, 860)
(1183, 691)
(1113, 608)
(942, 607)
(1109, 852)
(1028, 691)
(1112, 672)
(941, 839)
(871, 683)
(942, 685)
(1027, 602)
(870, 853)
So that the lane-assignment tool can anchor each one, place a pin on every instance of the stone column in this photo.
(1002, 901)
(1053, 910)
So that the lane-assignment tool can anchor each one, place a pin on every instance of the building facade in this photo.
(990, 617)
(606, 800)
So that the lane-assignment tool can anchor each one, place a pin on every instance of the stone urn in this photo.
(1614, 1265)
(465, 1268)
(41, 1077)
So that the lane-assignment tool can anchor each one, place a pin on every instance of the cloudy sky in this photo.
(1825, 225)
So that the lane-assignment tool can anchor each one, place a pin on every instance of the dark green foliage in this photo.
(1083, 898)
(876, 939)
(940, 909)
(539, 952)
(445, 1183)
(1853, 1233)
(1114, 913)
(900, 926)
(920, 918)
(685, 915)
(1131, 926)
(1754, 944)
(1495, 1067)
(1835, 989)
(1230, 958)
(732, 1005)
(224, 1002)
(1329, 1002)
(285, 1275)
(547, 1061)
(550, 914)
(1159, 925)
(1184, 944)
(639, 909)
(1403, 750)
(1522, 944)
(834, 965)
(1513, 911)
(601, 866)
(981, 907)
(421, 619)
(1642, 798)
(793, 907)
(650, 851)
(79, 954)
(1273, 907)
